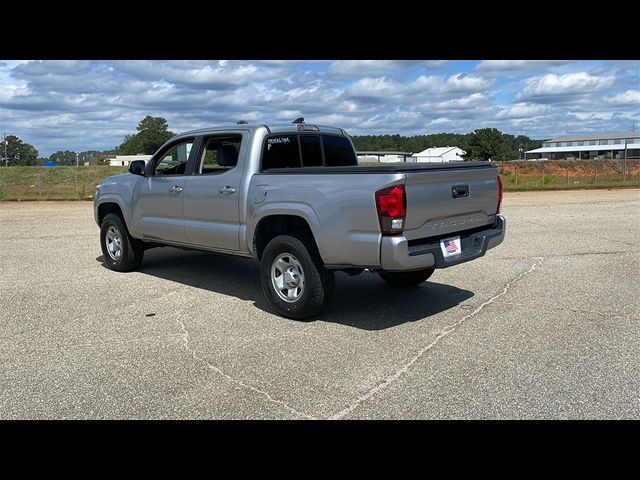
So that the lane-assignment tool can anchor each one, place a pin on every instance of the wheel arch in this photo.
(113, 205)
(105, 208)
(271, 226)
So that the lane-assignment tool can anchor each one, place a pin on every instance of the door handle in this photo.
(175, 189)
(227, 190)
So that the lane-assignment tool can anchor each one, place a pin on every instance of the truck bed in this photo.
(339, 203)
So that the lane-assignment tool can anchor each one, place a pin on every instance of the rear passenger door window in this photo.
(219, 155)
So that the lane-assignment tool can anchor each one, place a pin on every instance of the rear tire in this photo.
(293, 277)
(120, 251)
(407, 279)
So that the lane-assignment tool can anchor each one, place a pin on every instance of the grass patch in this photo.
(53, 183)
(79, 183)
(530, 183)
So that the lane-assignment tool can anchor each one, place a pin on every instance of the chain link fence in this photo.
(557, 174)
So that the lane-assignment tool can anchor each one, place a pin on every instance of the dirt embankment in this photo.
(572, 168)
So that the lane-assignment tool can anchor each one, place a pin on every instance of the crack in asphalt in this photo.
(574, 310)
(233, 380)
(602, 237)
(441, 334)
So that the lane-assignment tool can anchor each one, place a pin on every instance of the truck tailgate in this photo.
(448, 200)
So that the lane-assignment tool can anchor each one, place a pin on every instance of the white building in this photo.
(383, 156)
(125, 160)
(440, 155)
(597, 146)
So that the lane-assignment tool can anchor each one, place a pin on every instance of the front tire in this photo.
(294, 279)
(121, 252)
(407, 279)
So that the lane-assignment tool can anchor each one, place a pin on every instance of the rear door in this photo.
(158, 211)
(451, 199)
(212, 192)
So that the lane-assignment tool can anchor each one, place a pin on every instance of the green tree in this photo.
(525, 143)
(66, 157)
(19, 153)
(486, 144)
(152, 133)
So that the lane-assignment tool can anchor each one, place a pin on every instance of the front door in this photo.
(212, 192)
(158, 212)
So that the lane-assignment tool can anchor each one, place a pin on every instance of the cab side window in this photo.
(281, 151)
(174, 161)
(311, 150)
(220, 155)
(338, 151)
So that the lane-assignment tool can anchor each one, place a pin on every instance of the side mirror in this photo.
(137, 167)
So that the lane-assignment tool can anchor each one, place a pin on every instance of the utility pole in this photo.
(624, 173)
(77, 160)
(6, 160)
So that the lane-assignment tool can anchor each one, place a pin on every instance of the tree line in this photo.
(481, 144)
(152, 132)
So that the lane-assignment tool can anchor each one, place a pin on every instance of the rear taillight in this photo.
(391, 203)
(499, 195)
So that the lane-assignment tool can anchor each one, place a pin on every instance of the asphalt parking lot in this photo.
(545, 326)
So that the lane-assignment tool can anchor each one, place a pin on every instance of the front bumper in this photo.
(399, 254)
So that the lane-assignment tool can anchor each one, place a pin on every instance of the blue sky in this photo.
(82, 105)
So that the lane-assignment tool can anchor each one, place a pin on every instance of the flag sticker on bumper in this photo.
(451, 247)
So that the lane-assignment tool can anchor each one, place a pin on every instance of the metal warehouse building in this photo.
(603, 146)
(125, 160)
(440, 155)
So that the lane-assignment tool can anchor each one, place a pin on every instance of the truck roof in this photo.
(275, 128)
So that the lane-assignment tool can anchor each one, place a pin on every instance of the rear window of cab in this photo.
(295, 151)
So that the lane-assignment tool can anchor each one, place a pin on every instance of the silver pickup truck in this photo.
(294, 197)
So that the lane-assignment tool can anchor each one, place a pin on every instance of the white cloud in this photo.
(375, 88)
(592, 115)
(522, 110)
(352, 68)
(515, 66)
(440, 121)
(470, 101)
(426, 84)
(467, 82)
(550, 85)
(373, 68)
(424, 88)
(630, 97)
(202, 74)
